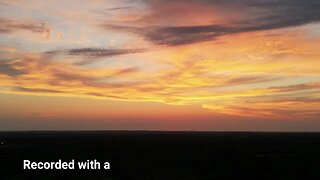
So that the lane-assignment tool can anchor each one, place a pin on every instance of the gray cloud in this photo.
(93, 54)
(261, 15)
(119, 8)
(99, 52)
(176, 35)
(9, 69)
(297, 87)
(36, 90)
(9, 26)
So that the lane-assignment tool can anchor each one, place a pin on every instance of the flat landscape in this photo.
(164, 155)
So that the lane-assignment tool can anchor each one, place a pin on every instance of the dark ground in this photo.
(164, 155)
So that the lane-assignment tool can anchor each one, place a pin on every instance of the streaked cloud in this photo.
(35, 90)
(91, 55)
(119, 8)
(10, 26)
(92, 52)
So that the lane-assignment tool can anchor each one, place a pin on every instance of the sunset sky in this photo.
(240, 65)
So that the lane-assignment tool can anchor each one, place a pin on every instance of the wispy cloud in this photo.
(10, 26)
(119, 8)
(35, 90)
(93, 54)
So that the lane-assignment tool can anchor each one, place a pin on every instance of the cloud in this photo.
(282, 107)
(36, 90)
(89, 79)
(282, 102)
(9, 69)
(99, 52)
(104, 95)
(249, 80)
(253, 16)
(171, 36)
(185, 84)
(10, 26)
(297, 87)
(70, 76)
(93, 54)
(119, 8)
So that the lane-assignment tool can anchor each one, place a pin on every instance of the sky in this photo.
(200, 65)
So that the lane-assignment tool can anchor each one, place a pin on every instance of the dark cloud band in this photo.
(261, 15)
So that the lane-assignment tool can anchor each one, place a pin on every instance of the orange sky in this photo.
(160, 65)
